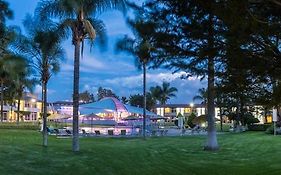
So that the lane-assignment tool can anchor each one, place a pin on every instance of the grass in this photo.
(247, 153)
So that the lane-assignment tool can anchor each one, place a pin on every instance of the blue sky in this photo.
(105, 68)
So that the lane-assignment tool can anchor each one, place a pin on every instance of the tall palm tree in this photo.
(166, 92)
(23, 80)
(76, 15)
(140, 48)
(42, 47)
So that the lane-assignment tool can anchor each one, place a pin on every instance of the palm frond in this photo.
(100, 31)
(89, 29)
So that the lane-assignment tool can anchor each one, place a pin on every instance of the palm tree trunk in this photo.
(144, 99)
(45, 132)
(75, 124)
(212, 143)
(2, 101)
(18, 111)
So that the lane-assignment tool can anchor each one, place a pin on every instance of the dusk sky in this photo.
(105, 68)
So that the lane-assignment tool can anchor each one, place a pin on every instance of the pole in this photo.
(274, 128)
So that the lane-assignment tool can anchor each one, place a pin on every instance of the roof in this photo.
(110, 104)
(65, 103)
(180, 106)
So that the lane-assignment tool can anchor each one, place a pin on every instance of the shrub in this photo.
(250, 119)
(270, 130)
(29, 126)
(258, 127)
(190, 119)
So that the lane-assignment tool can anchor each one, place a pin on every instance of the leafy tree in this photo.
(190, 119)
(86, 97)
(42, 47)
(187, 36)
(137, 100)
(75, 16)
(5, 13)
(103, 92)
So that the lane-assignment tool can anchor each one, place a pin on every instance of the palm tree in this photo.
(124, 100)
(42, 46)
(10, 67)
(201, 96)
(76, 15)
(140, 48)
(166, 92)
(23, 81)
(155, 94)
(5, 13)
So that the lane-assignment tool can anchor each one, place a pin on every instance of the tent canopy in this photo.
(110, 105)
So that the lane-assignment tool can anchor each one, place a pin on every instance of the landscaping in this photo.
(245, 153)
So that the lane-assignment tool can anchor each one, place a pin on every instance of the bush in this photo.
(258, 127)
(190, 119)
(270, 130)
(29, 126)
(250, 119)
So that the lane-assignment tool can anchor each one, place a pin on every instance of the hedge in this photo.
(29, 126)
(258, 127)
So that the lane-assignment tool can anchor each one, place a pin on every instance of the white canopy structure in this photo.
(113, 105)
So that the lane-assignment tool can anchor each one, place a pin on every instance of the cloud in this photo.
(38, 91)
(136, 80)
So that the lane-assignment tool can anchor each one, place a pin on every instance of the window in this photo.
(26, 105)
(174, 110)
(187, 110)
(167, 110)
(27, 117)
(33, 116)
(5, 116)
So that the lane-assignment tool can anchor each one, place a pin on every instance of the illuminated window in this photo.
(269, 119)
(167, 110)
(187, 110)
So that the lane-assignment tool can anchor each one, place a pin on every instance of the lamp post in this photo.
(191, 106)
(274, 119)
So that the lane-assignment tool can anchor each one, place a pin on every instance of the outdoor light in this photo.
(191, 105)
(33, 100)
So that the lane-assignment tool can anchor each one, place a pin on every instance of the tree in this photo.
(42, 47)
(166, 92)
(187, 36)
(201, 96)
(137, 100)
(124, 100)
(156, 94)
(22, 81)
(140, 48)
(5, 13)
(103, 92)
(75, 18)
(86, 97)
(11, 66)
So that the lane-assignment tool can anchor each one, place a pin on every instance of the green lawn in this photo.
(247, 153)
